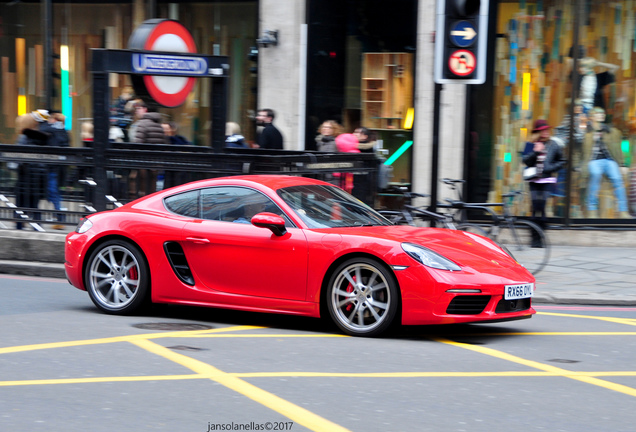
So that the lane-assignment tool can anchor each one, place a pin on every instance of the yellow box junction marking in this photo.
(541, 366)
(294, 412)
(300, 415)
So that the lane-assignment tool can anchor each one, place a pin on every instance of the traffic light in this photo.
(461, 37)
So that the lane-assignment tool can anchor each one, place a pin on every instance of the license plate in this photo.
(514, 292)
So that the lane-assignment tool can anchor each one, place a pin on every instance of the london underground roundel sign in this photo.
(165, 36)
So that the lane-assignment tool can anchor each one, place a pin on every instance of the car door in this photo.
(229, 254)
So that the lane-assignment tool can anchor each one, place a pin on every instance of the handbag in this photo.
(530, 173)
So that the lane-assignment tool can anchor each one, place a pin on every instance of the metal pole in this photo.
(101, 125)
(218, 113)
(435, 150)
(575, 94)
(151, 9)
(47, 24)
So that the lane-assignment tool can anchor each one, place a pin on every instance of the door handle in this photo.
(198, 240)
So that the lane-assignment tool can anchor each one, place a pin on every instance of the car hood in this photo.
(464, 248)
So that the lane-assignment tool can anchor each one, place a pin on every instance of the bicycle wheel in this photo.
(472, 228)
(527, 243)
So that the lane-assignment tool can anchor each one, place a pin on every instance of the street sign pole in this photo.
(461, 36)
(435, 150)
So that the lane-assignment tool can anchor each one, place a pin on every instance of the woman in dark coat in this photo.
(30, 187)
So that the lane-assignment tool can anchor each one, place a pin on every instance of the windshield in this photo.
(329, 207)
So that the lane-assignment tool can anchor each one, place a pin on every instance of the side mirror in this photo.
(274, 223)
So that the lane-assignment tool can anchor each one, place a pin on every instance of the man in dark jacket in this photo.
(270, 137)
(57, 137)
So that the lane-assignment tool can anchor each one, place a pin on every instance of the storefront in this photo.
(369, 63)
(537, 50)
(361, 72)
(219, 28)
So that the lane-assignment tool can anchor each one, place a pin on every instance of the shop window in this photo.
(534, 78)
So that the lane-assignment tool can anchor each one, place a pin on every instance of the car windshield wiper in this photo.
(362, 225)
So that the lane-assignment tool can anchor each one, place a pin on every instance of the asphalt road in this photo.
(66, 367)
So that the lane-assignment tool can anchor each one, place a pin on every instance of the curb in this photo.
(541, 299)
(30, 268)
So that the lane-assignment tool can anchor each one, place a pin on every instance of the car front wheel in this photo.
(362, 297)
(117, 277)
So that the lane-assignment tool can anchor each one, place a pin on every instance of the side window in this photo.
(236, 204)
(185, 204)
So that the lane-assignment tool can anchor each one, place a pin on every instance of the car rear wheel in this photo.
(117, 277)
(362, 297)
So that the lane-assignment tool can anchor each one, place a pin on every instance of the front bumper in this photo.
(441, 297)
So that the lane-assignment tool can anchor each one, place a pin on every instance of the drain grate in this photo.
(165, 326)
(186, 348)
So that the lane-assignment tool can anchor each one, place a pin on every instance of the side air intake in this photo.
(178, 261)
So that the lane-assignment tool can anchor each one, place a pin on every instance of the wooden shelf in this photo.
(387, 89)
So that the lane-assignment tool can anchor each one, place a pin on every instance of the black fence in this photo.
(90, 180)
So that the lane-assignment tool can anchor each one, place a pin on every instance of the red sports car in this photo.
(291, 245)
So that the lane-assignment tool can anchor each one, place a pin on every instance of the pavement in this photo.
(589, 267)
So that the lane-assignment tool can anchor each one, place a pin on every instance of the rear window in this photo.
(185, 204)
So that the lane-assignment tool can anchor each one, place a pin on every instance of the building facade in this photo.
(370, 63)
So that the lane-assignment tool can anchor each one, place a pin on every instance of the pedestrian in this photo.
(366, 139)
(326, 138)
(57, 137)
(546, 156)
(30, 187)
(174, 177)
(346, 143)
(148, 130)
(233, 137)
(87, 133)
(603, 155)
(171, 129)
(138, 109)
(269, 137)
(367, 143)
(121, 113)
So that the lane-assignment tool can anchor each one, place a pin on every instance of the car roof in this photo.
(273, 182)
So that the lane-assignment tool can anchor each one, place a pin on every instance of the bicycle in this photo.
(523, 239)
(409, 214)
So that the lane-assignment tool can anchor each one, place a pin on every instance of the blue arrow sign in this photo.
(463, 34)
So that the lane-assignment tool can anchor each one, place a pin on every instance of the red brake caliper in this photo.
(132, 273)
(350, 289)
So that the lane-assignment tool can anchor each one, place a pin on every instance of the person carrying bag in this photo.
(543, 159)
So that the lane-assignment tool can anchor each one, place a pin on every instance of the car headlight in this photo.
(429, 258)
(83, 226)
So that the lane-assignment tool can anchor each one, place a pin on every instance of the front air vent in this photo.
(505, 306)
(178, 261)
(468, 305)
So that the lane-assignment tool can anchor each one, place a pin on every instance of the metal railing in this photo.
(129, 171)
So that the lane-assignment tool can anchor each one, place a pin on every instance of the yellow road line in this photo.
(552, 334)
(627, 321)
(94, 380)
(396, 375)
(541, 366)
(271, 335)
(295, 413)
(129, 338)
